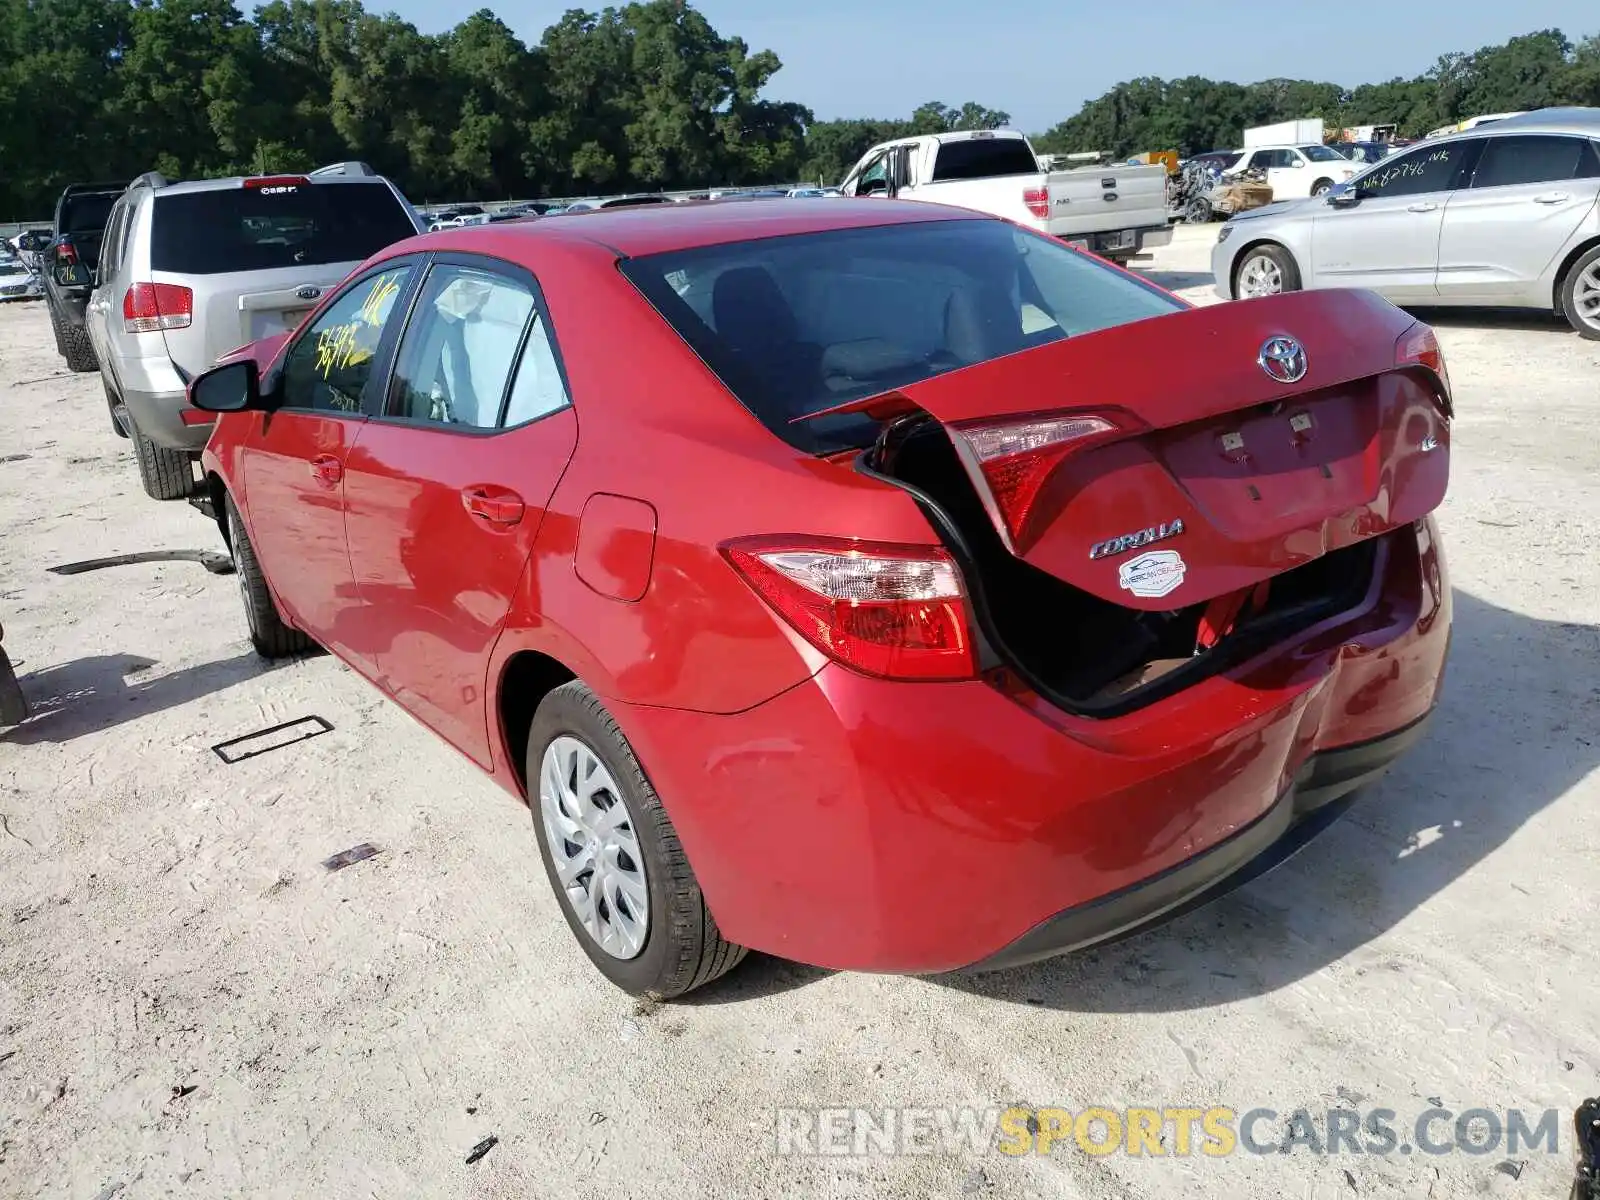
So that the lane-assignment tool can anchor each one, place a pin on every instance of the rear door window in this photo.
(1508, 161)
(264, 228)
(983, 158)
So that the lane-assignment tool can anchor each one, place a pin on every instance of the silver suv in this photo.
(190, 271)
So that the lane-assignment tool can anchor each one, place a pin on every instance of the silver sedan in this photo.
(1507, 215)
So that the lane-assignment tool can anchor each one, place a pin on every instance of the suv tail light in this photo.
(898, 612)
(276, 182)
(1010, 463)
(1038, 201)
(152, 307)
(67, 253)
(1419, 346)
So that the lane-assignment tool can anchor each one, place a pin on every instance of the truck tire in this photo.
(269, 633)
(1580, 294)
(1322, 187)
(166, 474)
(77, 349)
(55, 327)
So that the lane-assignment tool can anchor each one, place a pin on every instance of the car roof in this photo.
(1544, 120)
(662, 228)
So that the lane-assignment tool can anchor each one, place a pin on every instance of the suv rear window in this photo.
(983, 158)
(258, 229)
(798, 324)
(86, 212)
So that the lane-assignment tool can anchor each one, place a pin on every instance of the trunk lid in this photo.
(1102, 199)
(1188, 471)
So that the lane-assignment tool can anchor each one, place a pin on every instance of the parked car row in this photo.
(1504, 214)
(18, 279)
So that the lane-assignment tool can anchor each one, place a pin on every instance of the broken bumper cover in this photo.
(1322, 792)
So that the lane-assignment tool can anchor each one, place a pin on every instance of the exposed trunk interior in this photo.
(1084, 653)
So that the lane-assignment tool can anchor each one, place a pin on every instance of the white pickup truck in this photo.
(1114, 211)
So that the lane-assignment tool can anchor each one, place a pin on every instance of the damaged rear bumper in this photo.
(1321, 793)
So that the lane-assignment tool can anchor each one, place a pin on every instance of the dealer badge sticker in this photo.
(1158, 573)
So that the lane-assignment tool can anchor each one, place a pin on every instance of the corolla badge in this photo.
(1283, 359)
(309, 293)
(1133, 541)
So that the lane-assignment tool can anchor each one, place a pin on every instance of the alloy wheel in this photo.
(592, 841)
(1260, 276)
(1586, 296)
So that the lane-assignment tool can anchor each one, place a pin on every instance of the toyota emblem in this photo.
(1283, 359)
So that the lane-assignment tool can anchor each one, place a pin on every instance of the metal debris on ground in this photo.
(211, 560)
(351, 856)
(15, 458)
(274, 737)
(481, 1149)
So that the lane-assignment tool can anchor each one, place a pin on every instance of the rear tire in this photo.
(1265, 270)
(77, 349)
(269, 633)
(682, 948)
(55, 327)
(1580, 295)
(166, 474)
(1322, 187)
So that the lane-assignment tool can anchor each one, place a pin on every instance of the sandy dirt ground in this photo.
(191, 1005)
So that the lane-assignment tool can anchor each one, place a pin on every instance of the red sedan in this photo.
(881, 586)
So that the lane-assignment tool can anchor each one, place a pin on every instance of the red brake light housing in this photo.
(1419, 346)
(272, 184)
(887, 610)
(67, 253)
(1010, 462)
(1038, 201)
(153, 307)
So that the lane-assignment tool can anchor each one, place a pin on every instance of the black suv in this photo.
(68, 265)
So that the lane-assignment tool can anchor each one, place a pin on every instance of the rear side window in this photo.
(983, 158)
(88, 212)
(1508, 161)
(260, 229)
(795, 325)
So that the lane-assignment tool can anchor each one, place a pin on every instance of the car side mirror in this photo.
(232, 387)
(1345, 199)
(873, 187)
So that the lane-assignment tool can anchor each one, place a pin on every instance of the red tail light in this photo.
(1009, 464)
(1419, 345)
(1038, 201)
(152, 307)
(899, 612)
(276, 182)
(68, 253)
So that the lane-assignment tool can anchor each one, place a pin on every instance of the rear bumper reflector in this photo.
(196, 416)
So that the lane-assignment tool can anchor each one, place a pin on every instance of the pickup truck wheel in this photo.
(1322, 187)
(1266, 270)
(1580, 295)
(166, 474)
(77, 349)
(269, 633)
(613, 856)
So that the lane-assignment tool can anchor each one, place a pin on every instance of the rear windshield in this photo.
(258, 229)
(80, 213)
(795, 325)
(983, 158)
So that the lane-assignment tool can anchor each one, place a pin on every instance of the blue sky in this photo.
(1040, 61)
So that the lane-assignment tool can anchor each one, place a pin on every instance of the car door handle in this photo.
(1552, 198)
(496, 505)
(327, 469)
(1422, 208)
